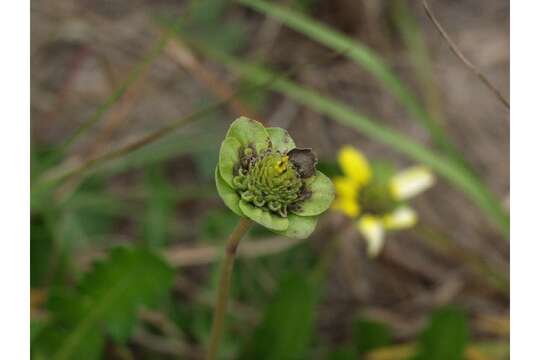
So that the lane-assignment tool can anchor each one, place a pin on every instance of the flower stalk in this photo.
(264, 178)
(220, 308)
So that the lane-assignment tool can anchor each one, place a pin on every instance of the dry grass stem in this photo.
(455, 49)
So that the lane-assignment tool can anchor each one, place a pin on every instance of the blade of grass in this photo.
(159, 208)
(364, 57)
(133, 76)
(56, 153)
(443, 244)
(45, 182)
(182, 55)
(419, 56)
(160, 151)
(49, 182)
(455, 173)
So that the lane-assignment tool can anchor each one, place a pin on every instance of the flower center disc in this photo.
(268, 181)
(375, 199)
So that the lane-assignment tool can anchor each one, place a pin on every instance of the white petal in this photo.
(410, 182)
(373, 230)
(401, 218)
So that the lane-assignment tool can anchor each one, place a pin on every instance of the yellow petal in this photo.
(401, 218)
(354, 164)
(411, 182)
(373, 230)
(346, 206)
(346, 187)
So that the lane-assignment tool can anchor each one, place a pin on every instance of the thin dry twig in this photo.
(162, 322)
(73, 70)
(119, 114)
(182, 55)
(159, 344)
(133, 76)
(462, 57)
(64, 172)
(182, 256)
(115, 120)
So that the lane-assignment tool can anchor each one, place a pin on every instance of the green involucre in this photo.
(263, 176)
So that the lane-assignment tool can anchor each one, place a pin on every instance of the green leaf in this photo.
(346, 352)
(41, 249)
(300, 227)
(264, 217)
(288, 323)
(227, 194)
(322, 195)
(446, 336)
(369, 335)
(281, 140)
(229, 156)
(86, 217)
(249, 132)
(36, 328)
(106, 300)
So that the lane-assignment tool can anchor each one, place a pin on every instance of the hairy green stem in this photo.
(224, 286)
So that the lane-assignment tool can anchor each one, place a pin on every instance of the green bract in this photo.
(263, 176)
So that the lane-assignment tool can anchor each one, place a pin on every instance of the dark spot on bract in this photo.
(304, 161)
(304, 194)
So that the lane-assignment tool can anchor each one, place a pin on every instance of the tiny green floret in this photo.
(263, 176)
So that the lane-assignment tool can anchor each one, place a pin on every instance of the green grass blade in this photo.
(361, 55)
(159, 208)
(48, 181)
(56, 153)
(455, 173)
(160, 151)
(133, 76)
(419, 56)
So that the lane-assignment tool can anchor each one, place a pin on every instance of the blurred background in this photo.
(130, 101)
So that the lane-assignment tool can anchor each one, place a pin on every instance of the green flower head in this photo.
(263, 176)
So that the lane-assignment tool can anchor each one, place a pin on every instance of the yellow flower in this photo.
(354, 165)
(376, 199)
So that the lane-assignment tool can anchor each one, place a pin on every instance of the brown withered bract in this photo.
(304, 161)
